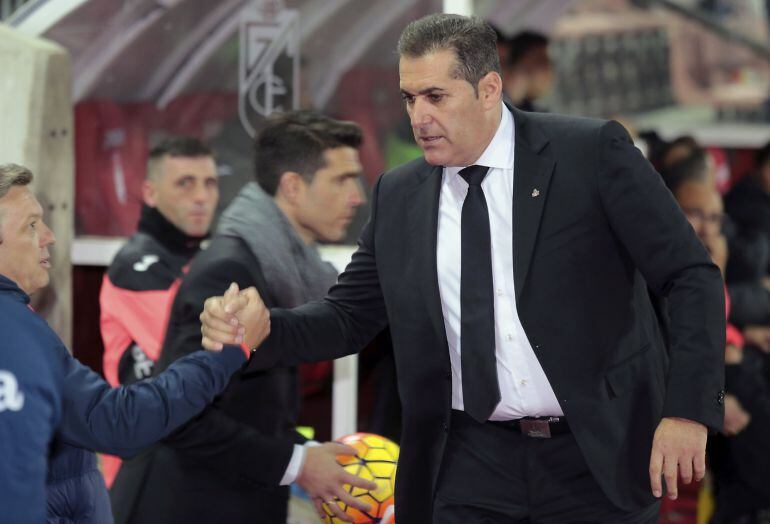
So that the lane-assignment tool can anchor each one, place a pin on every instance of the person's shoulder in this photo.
(406, 174)
(143, 264)
(223, 252)
(225, 260)
(557, 125)
(33, 351)
(573, 135)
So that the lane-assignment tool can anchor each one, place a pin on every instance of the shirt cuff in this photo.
(296, 462)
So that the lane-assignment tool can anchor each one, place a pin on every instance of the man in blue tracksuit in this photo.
(54, 410)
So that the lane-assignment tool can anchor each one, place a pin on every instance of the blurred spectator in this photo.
(677, 150)
(679, 165)
(528, 72)
(684, 160)
(180, 194)
(741, 455)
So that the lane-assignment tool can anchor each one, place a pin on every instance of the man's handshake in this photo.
(238, 318)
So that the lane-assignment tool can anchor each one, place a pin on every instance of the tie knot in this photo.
(474, 174)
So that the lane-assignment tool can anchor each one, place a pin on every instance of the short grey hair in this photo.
(13, 175)
(472, 40)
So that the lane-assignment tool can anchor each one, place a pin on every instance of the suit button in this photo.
(721, 397)
(448, 375)
(445, 427)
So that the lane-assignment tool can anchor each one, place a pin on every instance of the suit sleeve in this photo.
(344, 322)
(124, 420)
(214, 437)
(663, 246)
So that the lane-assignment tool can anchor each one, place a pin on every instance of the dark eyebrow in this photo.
(426, 91)
(350, 174)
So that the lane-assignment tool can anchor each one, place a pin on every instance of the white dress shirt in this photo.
(524, 388)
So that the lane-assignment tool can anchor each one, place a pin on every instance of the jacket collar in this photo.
(9, 287)
(153, 223)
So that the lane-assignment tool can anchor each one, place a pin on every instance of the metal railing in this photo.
(8, 7)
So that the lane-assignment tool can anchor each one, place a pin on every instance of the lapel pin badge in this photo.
(535, 193)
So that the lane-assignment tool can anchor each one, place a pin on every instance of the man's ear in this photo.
(490, 89)
(149, 192)
(290, 186)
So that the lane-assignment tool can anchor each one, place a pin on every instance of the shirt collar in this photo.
(499, 152)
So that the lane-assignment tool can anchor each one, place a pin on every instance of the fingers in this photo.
(670, 471)
(352, 501)
(212, 322)
(232, 292)
(700, 467)
(234, 304)
(341, 449)
(336, 510)
(686, 470)
(318, 503)
(656, 470)
(217, 326)
(211, 345)
(218, 331)
(353, 480)
(252, 295)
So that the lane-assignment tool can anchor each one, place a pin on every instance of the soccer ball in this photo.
(376, 460)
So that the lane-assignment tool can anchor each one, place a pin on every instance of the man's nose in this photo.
(357, 197)
(421, 114)
(47, 238)
(201, 193)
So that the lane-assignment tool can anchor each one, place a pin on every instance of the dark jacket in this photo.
(740, 463)
(749, 207)
(226, 464)
(598, 231)
(66, 409)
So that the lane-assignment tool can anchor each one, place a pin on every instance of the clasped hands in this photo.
(238, 317)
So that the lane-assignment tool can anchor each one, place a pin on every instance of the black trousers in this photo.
(492, 474)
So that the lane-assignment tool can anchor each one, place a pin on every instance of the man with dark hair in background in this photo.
(528, 71)
(180, 195)
(234, 463)
(512, 264)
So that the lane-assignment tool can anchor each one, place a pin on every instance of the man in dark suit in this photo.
(512, 265)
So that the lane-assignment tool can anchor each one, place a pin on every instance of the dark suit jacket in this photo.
(226, 464)
(601, 229)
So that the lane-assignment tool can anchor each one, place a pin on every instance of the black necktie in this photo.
(481, 392)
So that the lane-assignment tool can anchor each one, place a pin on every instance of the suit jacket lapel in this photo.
(531, 178)
(423, 216)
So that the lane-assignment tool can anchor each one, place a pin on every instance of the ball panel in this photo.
(376, 460)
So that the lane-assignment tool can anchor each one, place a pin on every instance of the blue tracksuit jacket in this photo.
(54, 412)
